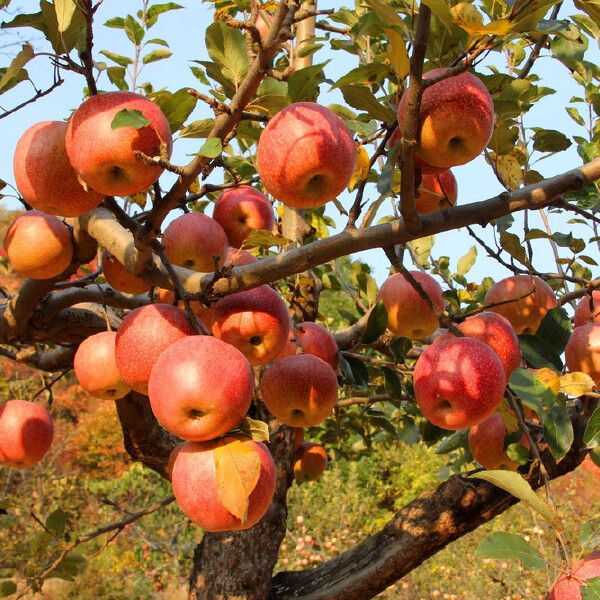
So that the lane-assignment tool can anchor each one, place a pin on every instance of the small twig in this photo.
(159, 161)
(37, 96)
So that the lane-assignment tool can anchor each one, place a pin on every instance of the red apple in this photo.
(436, 192)
(306, 155)
(458, 383)
(300, 390)
(310, 462)
(96, 369)
(200, 388)
(311, 338)
(38, 245)
(205, 313)
(524, 300)
(457, 120)
(238, 257)
(27, 432)
(409, 315)
(195, 488)
(255, 321)
(582, 352)
(118, 277)
(44, 175)
(569, 585)
(241, 210)
(583, 310)
(103, 157)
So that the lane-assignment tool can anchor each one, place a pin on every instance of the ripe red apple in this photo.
(38, 245)
(514, 301)
(237, 257)
(582, 352)
(255, 321)
(583, 310)
(569, 585)
(103, 157)
(142, 337)
(194, 485)
(44, 175)
(27, 432)
(300, 390)
(200, 388)
(241, 210)
(206, 314)
(457, 120)
(310, 462)
(193, 240)
(436, 192)
(306, 155)
(312, 338)
(118, 277)
(96, 369)
(458, 383)
(409, 315)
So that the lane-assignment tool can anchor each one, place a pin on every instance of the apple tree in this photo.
(496, 374)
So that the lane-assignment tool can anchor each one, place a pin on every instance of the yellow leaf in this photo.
(139, 198)
(361, 170)
(399, 55)
(508, 416)
(576, 384)
(548, 378)
(509, 169)
(195, 186)
(465, 15)
(265, 239)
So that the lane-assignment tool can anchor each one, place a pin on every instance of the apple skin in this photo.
(44, 175)
(436, 192)
(27, 432)
(103, 157)
(310, 462)
(241, 210)
(206, 314)
(300, 390)
(119, 278)
(238, 257)
(458, 383)
(38, 245)
(495, 331)
(142, 337)
(96, 369)
(408, 314)
(527, 313)
(583, 313)
(312, 338)
(200, 388)
(582, 352)
(193, 240)
(255, 321)
(568, 586)
(457, 120)
(306, 155)
(193, 478)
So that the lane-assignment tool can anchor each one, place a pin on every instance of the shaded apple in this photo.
(310, 462)
(312, 338)
(582, 352)
(436, 191)
(121, 279)
(587, 309)
(239, 257)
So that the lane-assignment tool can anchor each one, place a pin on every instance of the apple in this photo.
(300, 390)
(118, 277)
(523, 299)
(569, 585)
(241, 210)
(312, 338)
(238, 257)
(205, 313)
(38, 245)
(436, 192)
(583, 310)
(494, 330)
(310, 462)
(27, 432)
(142, 337)
(264, 24)
(193, 240)
(582, 352)
(457, 120)
(194, 485)
(305, 155)
(255, 321)
(458, 383)
(200, 388)
(409, 315)
(103, 157)
(96, 369)
(44, 175)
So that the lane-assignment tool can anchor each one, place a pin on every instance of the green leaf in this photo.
(589, 536)
(531, 390)
(227, 48)
(116, 23)
(303, 85)
(56, 522)
(513, 245)
(72, 565)
(376, 324)
(508, 546)
(400, 347)
(539, 353)
(354, 371)
(549, 140)
(574, 114)
(364, 75)
(591, 591)
(591, 437)
(197, 129)
(129, 118)
(159, 9)
(263, 238)
(393, 385)
(458, 439)
(116, 75)
(22, 58)
(124, 61)
(7, 588)
(158, 41)
(156, 55)
(133, 30)
(176, 107)
(257, 430)
(442, 11)
(467, 261)
(555, 328)
(362, 98)
(211, 148)
(558, 431)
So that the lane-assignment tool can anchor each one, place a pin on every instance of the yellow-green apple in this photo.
(44, 175)
(238, 257)
(27, 432)
(96, 369)
(118, 277)
(436, 192)
(194, 240)
(205, 313)
(200, 388)
(457, 120)
(458, 383)
(241, 210)
(585, 307)
(409, 315)
(312, 338)
(38, 245)
(494, 330)
(582, 352)
(103, 157)
(194, 479)
(300, 390)
(523, 299)
(142, 337)
(310, 462)
(255, 321)
(569, 586)
(306, 155)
